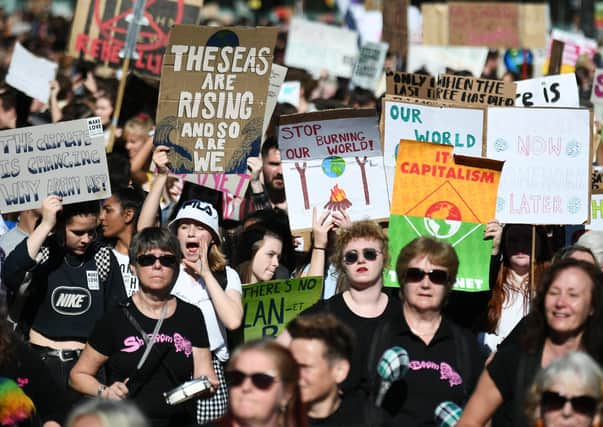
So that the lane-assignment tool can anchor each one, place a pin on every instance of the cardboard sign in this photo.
(269, 306)
(575, 44)
(466, 238)
(435, 59)
(596, 96)
(597, 179)
(431, 182)
(277, 77)
(313, 46)
(559, 90)
(411, 85)
(395, 26)
(473, 91)
(596, 213)
(212, 97)
(460, 127)
(31, 74)
(234, 184)
(99, 30)
(546, 178)
(67, 159)
(483, 24)
(369, 66)
(332, 161)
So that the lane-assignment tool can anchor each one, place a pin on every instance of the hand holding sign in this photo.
(320, 228)
(160, 158)
(50, 207)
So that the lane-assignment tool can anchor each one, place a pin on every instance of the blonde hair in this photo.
(140, 124)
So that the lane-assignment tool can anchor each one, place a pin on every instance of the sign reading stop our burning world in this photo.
(213, 96)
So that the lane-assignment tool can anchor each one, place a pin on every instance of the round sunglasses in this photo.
(148, 260)
(369, 254)
(262, 381)
(553, 401)
(437, 276)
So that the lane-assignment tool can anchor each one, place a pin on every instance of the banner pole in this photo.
(532, 262)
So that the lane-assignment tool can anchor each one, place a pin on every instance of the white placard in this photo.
(31, 74)
(546, 177)
(460, 127)
(313, 46)
(333, 164)
(277, 76)
(289, 93)
(436, 58)
(66, 159)
(369, 66)
(596, 213)
(559, 90)
(596, 96)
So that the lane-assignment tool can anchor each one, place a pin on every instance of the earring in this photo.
(283, 407)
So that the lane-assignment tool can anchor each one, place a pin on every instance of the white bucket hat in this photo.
(202, 212)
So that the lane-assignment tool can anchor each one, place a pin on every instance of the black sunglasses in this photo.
(369, 254)
(553, 401)
(149, 260)
(437, 276)
(235, 378)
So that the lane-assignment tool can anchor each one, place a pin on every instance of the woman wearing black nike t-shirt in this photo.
(359, 258)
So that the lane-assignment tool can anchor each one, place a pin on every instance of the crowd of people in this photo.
(109, 307)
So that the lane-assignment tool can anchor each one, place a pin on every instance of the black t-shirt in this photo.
(353, 411)
(434, 374)
(169, 364)
(363, 328)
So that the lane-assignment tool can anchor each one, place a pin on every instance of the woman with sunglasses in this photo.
(566, 316)
(568, 392)
(359, 258)
(262, 378)
(152, 344)
(445, 360)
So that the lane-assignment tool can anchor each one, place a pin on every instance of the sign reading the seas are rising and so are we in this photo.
(333, 160)
(559, 90)
(66, 159)
(546, 178)
(460, 127)
(269, 306)
(213, 95)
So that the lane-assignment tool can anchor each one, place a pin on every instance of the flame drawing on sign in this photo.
(338, 200)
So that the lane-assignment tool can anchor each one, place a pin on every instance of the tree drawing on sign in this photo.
(304, 184)
(362, 164)
(338, 200)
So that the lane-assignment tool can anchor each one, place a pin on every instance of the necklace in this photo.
(66, 258)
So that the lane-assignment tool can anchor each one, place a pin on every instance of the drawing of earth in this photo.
(441, 228)
(333, 166)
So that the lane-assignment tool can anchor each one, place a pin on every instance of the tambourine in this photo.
(189, 390)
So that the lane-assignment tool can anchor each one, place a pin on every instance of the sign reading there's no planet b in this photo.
(212, 96)
(65, 159)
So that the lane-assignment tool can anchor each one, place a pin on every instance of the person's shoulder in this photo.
(187, 308)
(326, 305)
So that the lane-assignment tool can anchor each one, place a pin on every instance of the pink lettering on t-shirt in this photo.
(182, 344)
(446, 371)
(132, 344)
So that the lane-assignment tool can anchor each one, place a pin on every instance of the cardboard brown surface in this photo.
(99, 30)
(435, 24)
(533, 25)
(410, 84)
(212, 101)
(474, 91)
(395, 26)
(483, 24)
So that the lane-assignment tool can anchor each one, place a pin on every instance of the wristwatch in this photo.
(101, 389)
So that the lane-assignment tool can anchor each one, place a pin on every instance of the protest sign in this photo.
(473, 91)
(234, 183)
(212, 97)
(436, 59)
(333, 161)
(596, 212)
(31, 74)
(460, 127)
(99, 30)
(560, 90)
(277, 76)
(412, 85)
(269, 306)
(369, 66)
(483, 24)
(395, 26)
(596, 96)
(314, 46)
(467, 239)
(290, 92)
(66, 159)
(597, 179)
(534, 22)
(575, 44)
(546, 178)
(435, 24)
(368, 23)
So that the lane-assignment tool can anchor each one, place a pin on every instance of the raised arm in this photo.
(149, 209)
(50, 207)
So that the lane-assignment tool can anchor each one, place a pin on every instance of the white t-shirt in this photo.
(130, 280)
(193, 291)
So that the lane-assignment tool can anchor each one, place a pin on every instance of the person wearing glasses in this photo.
(262, 378)
(360, 256)
(568, 392)
(152, 344)
(566, 316)
(74, 281)
(444, 359)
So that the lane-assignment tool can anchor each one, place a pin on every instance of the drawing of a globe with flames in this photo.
(333, 166)
(448, 219)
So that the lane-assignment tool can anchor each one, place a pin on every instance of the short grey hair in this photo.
(153, 238)
(111, 413)
(574, 366)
